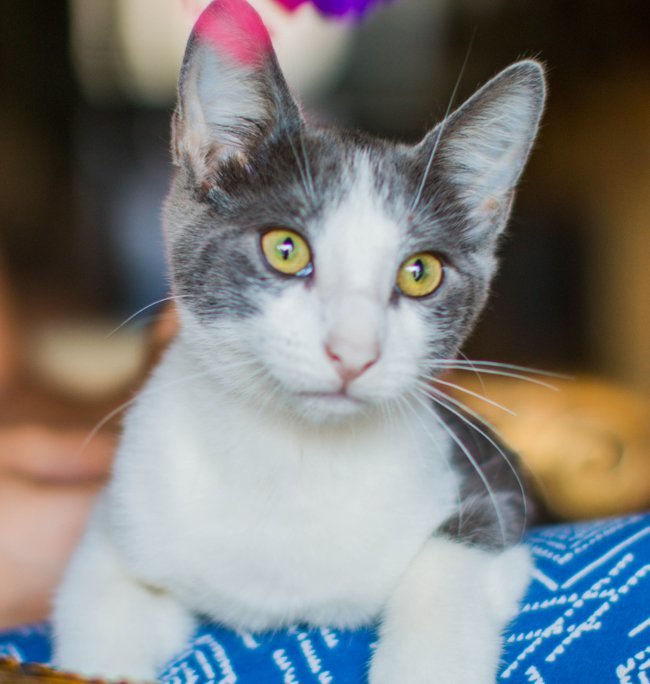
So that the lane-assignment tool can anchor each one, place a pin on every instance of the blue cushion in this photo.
(586, 618)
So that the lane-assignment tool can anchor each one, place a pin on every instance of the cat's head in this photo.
(320, 270)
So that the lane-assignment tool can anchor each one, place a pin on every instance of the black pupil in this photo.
(286, 248)
(417, 270)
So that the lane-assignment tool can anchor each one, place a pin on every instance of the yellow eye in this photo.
(286, 251)
(420, 275)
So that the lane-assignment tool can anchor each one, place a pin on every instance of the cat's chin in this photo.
(328, 407)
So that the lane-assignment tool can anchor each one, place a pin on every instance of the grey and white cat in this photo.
(285, 463)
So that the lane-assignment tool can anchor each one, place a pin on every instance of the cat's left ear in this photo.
(231, 93)
(481, 148)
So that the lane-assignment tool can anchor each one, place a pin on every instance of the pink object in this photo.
(291, 5)
(233, 27)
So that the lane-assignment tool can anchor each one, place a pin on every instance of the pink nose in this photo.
(350, 365)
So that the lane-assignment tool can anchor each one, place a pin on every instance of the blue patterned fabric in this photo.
(586, 618)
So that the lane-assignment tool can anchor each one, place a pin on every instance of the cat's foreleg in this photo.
(443, 622)
(108, 623)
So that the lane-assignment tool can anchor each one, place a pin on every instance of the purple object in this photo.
(336, 8)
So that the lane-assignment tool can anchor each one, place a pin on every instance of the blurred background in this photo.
(86, 90)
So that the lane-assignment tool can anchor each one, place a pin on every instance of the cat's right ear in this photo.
(231, 94)
(481, 148)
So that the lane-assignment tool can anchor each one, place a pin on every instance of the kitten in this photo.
(285, 463)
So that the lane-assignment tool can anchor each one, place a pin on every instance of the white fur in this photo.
(239, 492)
(247, 518)
(443, 623)
(109, 624)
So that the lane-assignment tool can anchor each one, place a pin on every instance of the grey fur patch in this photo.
(215, 233)
(491, 522)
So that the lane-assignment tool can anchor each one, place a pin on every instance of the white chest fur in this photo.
(255, 522)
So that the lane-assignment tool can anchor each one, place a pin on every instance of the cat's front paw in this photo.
(507, 579)
(406, 662)
(391, 665)
(443, 623)
(107, 623)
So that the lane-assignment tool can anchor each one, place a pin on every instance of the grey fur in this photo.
(477, 522)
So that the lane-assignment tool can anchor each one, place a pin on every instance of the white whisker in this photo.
(303, 178)
(442, 397)
(102, 423)
(476, 373)
(308, 173)
(452, 99)
(506, 374)
(476, 395)
(123, 406)
(116, 411)
(494, 366)
(425, 388)
(472, 460)
(144, 308)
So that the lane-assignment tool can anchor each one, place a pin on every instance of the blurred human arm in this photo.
(47, 485)
(49, 476)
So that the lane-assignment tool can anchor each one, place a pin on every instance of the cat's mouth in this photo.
(339, 395)
(332, 403)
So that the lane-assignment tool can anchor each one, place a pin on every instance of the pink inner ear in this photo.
(233, 27)
(292, 5)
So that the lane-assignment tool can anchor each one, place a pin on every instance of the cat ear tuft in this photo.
(231, 93)
(483, 146)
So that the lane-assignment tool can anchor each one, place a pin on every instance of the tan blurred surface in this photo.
(587, 445)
